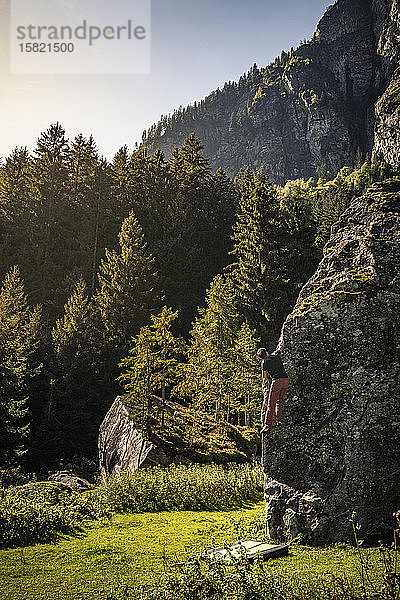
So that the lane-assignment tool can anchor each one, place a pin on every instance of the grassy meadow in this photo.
(113, 557)
(118, 542)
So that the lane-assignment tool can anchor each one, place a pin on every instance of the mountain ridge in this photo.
(313, 107)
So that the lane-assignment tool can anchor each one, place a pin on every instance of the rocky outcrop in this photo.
(313, 107)
(387, 141)
(338, 448)
(185, 437)
(122, 446)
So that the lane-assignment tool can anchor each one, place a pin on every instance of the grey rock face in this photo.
(318, 109)
(123, 447)
(387, 140)
(338, 449)
(387, 124)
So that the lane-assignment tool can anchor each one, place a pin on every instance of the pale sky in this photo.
(195, 48)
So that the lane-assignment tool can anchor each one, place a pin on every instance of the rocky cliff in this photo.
(387, 123)
(338, 448)
(314, 106)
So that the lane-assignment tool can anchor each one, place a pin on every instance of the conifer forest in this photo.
(145, 276)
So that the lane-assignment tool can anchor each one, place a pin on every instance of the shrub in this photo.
(38, 512)
(193, 487)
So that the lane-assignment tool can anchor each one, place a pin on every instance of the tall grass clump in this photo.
(39, 512)
(197, 580)
(193, 487)
(241, 580)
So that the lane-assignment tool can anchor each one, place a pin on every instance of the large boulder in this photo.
(337, 451)
(122, 446)
(184, 437)
(387, 109)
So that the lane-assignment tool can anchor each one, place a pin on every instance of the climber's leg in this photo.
(273, 397)
(283, 388)
(264, 409)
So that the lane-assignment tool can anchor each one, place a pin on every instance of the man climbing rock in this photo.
(275, 386)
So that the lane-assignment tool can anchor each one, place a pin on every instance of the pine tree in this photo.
(246, 377)
(103, 226)
(15, 183)
(138, 185)
(152, 366)
(82, 160)
(19, 328)
(16, 217)
(76, 402)
(301, 255)
(83, 199)
(127, 294)
(208, 374)
(258, 271)
(194, 239)
(94, 208)
(222, 206)
(123, 183)
(52, 225)
(189, 164)
(70, 332)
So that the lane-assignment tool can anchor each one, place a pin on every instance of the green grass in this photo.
(126, 556)
(127, 550)
(132, 550)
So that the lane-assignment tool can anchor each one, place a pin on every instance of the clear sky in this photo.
(197, 45)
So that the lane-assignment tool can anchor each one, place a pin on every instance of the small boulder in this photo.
(76, 483)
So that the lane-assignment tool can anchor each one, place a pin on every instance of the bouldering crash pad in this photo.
(247, 549)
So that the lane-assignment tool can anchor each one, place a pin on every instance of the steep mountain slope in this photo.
(312, 107)
(387, 128)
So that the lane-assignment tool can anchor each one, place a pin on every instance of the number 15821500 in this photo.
(43, 47)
